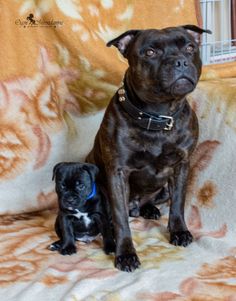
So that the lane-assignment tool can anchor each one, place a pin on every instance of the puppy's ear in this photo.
(123, 41)
(92, 170)
(195, 31)
(56, 168)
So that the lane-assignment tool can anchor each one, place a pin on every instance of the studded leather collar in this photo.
(144, 119)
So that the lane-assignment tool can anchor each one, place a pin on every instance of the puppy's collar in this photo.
(146, 120)
(93, 192)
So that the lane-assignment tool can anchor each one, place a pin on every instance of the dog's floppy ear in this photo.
(92, 170)
(195, 31)
(56, 168)
(123, 40)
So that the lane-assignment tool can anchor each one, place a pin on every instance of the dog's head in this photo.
(163, 64)
(74, 183)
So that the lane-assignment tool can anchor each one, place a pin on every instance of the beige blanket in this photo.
(56, 77)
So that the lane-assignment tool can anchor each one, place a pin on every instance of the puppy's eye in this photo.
(150, 52)
(80, 186)
(190, 49)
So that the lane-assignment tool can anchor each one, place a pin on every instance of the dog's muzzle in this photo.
(182, 86)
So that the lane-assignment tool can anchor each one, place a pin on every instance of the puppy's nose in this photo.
(181, 64)
(70, 200)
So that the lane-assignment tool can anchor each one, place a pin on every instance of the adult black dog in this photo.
(82, 214)
(148, 133)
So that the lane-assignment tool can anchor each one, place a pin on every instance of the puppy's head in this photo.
(163, 64)
(74, 183)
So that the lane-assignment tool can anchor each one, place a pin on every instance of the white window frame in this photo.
(218, 47)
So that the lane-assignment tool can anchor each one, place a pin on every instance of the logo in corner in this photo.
(31, 22)
(31, 19)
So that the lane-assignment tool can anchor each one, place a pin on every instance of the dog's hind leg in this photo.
(163, 196)
(149, 211)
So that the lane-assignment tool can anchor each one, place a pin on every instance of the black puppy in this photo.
(82, 212)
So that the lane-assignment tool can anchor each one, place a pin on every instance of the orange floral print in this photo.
(195, 225)
(54, 84)
(200, 160)
(30, 108)
(16, 148)
(206, 194)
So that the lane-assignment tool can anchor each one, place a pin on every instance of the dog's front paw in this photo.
(68, 250)
(109, 246)
(150, 211)
(181, 238)
(55, 246)
(127, 263)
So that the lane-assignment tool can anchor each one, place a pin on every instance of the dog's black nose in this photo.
(181, 64)
(71, 201)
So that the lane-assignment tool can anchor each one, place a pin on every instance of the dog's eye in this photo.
(190, 48)
(80, 186)
(150, 52)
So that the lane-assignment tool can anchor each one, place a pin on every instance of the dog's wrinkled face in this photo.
(74, 183)
(163, 64)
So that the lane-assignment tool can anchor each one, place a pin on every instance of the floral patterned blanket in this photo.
(56, 78)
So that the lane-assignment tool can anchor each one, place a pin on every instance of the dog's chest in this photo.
(152, 169)
(137, 141)
(152, 149)
(85, 229)
(83, 217)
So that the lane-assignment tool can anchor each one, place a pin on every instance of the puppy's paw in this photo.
(68, 250)
(56, 246)
(181, 238)
(127, 263)
(150, 211)
(109, 246)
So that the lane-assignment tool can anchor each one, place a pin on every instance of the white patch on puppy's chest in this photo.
(84, 216)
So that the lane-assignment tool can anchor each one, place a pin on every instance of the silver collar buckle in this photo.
(169, 123)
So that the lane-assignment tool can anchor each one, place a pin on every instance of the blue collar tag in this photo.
(93, 192)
